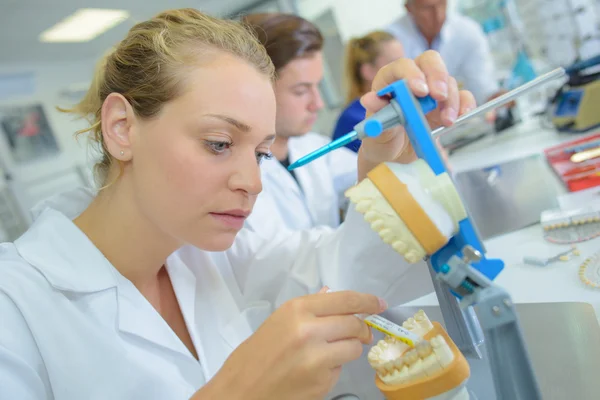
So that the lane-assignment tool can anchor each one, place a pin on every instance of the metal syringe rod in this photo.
(500, 101)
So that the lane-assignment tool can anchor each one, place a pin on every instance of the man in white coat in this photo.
(459, 40)
(311, 196)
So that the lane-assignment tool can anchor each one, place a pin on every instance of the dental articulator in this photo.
(416, 209)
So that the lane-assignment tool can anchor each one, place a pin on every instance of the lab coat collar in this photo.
(298, 147)
(64, 255)
(292, 153)
(136, 314)
(303, 175)
(276, 169)
(70, 262)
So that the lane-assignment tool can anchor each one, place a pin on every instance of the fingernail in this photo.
(420, 85)
(450, 114)
(382, 304)
(441, 87)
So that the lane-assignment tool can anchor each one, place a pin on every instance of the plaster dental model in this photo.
(412, 209)
(416, 213)
(434, 369)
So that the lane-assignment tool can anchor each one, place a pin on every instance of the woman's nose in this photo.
(247, 177)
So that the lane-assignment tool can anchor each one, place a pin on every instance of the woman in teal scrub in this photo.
(364, 57)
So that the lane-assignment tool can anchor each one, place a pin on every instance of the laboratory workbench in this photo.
(556, 283)
(558, 314)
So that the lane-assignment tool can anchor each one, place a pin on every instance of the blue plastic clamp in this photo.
(419, 135)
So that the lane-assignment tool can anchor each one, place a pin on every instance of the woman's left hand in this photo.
(426, 75)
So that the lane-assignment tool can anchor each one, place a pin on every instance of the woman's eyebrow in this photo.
(232, 121)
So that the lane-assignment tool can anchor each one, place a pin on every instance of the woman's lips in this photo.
(234, 218)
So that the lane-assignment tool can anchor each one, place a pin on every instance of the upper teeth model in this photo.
(411, 208)
(434, 369)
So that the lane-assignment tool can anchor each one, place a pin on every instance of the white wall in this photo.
(358, 17)
(355, 17)
(49, 80)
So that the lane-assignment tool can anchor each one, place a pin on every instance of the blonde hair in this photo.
(359, 51)
(145, 67)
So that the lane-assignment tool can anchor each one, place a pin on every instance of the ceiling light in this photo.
(84, 25)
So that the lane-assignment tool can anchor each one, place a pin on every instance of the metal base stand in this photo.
(461, 324)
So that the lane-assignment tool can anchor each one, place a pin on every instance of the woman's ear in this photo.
(118, 119)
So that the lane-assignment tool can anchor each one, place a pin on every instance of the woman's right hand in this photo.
(298, 352)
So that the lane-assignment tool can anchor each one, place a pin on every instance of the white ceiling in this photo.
(21, 22)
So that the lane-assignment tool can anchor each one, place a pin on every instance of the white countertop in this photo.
(557, 282)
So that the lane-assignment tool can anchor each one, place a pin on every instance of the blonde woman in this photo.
(148, 288)
(365, 56)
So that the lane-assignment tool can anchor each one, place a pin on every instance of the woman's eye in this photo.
(260, 156)
(218, 147)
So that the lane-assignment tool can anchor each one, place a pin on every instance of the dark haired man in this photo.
(313, 195)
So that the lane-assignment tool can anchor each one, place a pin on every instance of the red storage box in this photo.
(576, 176)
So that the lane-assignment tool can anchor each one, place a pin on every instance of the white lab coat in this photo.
(315, 200)
(463, 47)
(73, 328)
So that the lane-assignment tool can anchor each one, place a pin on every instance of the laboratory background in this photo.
(528, 173)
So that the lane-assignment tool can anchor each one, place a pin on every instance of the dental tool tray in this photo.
(576, 176)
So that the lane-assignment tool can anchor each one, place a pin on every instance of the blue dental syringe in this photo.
(388, 117)
(391, 115)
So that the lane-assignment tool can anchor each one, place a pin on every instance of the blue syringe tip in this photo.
(299, 163)
(311, 157)
(342, 141)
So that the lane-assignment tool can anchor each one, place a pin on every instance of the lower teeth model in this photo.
(433, 369)
(412, 209)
